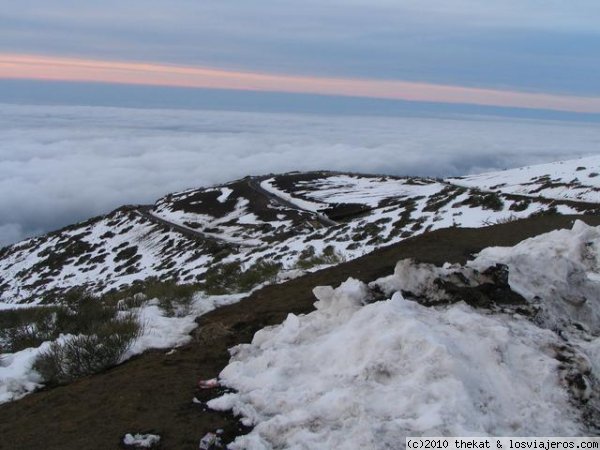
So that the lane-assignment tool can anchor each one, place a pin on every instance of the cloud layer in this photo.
(61, 164)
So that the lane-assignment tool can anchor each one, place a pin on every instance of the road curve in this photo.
(254, 184)
(145, 212)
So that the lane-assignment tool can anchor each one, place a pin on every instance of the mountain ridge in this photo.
(283, 219)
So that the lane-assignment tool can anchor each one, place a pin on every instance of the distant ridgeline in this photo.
(233, 236)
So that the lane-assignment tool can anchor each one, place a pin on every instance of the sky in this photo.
(512, 53)
(104, 103)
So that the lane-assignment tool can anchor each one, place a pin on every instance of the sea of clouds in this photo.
(61, 164)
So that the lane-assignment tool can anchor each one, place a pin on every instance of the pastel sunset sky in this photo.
(519, 54)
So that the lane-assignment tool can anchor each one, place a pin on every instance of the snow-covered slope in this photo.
(293, 220)
(577, 180)
(356, 375)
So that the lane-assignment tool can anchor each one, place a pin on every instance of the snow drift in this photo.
(559, 271)
(355, 375)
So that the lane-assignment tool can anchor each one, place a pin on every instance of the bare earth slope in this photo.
(153, 393)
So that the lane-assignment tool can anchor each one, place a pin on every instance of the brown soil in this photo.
(153, 393)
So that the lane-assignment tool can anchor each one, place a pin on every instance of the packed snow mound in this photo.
(559, 271)
(355, 374)
(372, 375)
(17, 377)
(346, 298)
(431, 285)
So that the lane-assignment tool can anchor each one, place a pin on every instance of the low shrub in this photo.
(26, 327)
(552, 210)
(86, 354)
(229, 277)
(501, 220)
(100, 334)
(507, 219)
(221, 278)
(260, 272)
(177, 301)
(84, 316)
(520, 205)
(174, 298)
(484, 200)
(309, 258)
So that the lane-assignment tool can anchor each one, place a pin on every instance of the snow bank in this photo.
(354, 377)
(559, 270)
(17, 378)
(161, 331)
(418, 278)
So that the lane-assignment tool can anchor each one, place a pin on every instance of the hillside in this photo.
(290, 221)
(577, 180)
(154, 392)
(313, 297)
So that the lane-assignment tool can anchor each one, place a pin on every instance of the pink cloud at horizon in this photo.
(49, 68)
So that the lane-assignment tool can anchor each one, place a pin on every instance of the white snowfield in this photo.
(362, 190)
(577, 179)
(357, 376)
(115, 250)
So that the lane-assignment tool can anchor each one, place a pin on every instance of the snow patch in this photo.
(225, 192)
(576, 179)
(161, 331)
(17, 377)
(141, 440)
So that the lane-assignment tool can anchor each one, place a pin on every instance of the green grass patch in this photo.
(309, 257)
(484, 200)
(229, 278)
